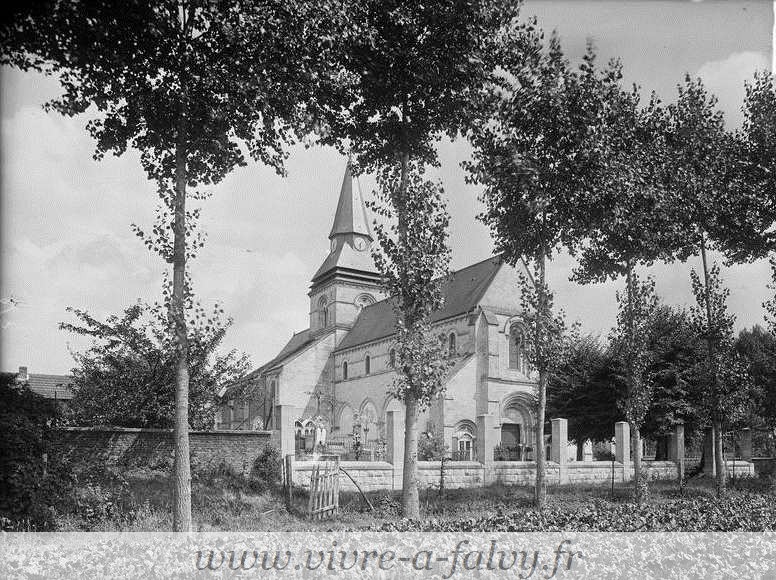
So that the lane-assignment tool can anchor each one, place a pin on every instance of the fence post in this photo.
(289, 481)
(709, 465)
(676, 449)
(559, 450)
(746, 444)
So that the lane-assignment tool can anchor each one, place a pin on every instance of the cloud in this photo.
(725, 78)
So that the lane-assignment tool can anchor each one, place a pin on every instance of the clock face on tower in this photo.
(360, 244)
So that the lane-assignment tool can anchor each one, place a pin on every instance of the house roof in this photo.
(51, 386)
(462, 291)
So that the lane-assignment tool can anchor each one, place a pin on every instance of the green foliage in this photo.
(758, 348)
(585, 389)
(770, 305)
(723, 374)
(737, 512)
(127, 377)
(636, 307)
(413, 262)
(412, 71)
(267, 470)
(33, 480)
(431, 446)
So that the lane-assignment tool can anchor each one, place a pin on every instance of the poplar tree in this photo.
(710, 201)
(193, 85)
(534, 148)
(629, 225)
(413, 68)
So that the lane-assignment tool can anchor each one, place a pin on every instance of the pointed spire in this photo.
(351, 217)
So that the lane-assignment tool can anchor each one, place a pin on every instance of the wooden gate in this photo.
(324, 489)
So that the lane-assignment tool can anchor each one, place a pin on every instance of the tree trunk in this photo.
(410, 501)
(719, 457)
(631, 380)
(182, 468)
(716, 419)
(540, 491)
(638, 485)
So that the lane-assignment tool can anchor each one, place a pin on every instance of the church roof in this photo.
(462, 291)
(351, 217)
(298, 342)
(346, 258)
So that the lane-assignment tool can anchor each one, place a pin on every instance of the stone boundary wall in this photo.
(381, 475)
(153, 448)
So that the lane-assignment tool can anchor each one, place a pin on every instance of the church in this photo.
(330, 386)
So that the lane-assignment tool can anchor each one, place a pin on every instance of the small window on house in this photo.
(392, 358)
(367, 364)
(451, 344)
(345, 371)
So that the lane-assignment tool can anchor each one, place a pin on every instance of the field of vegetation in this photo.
(105, 499)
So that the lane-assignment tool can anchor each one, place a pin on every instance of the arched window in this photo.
(345, 371)
(516, 355)
(392, 358)
(367, 364)
(451, 344)
(364, 300)
(323, 312)
(464, 441)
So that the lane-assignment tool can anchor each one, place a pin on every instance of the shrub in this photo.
(267, 471)
(431, 447)
(33, 479)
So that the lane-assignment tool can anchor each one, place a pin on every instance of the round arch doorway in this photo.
(517, 433)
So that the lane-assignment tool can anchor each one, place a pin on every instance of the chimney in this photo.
(22, 376)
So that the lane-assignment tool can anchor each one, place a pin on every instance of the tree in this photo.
(412, 265)
(636, 306)
(705, 182)
(127, 376)
(413, 69)
(758, 348)
(191, 84)
(534, 149)
(723, 372)
(585, 390)
(629, 225)
(675, 350)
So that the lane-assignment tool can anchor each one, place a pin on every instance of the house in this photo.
(55, 387)
(332, 381)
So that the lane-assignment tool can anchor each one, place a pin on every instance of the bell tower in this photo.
(347, 281)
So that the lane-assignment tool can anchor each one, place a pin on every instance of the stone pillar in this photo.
(676, 448)
(709, 465)
(622, 451)
(394, 431)
(587, 450)
(746, 444)
(394, 451)
(559, 450)
(487, 438)
(285, 416)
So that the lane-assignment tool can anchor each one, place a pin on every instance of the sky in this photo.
(66, 237)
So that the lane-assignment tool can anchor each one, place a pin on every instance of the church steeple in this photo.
(351, 215)
(347, 280)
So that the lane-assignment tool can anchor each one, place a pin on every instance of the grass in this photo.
(223, 501)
